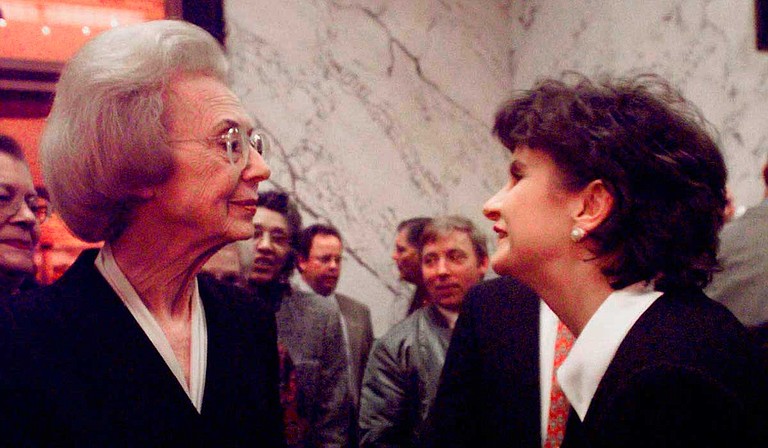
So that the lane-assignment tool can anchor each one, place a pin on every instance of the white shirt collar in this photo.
(303, 286)
(593, 350)
(106, 264)
(300, 285)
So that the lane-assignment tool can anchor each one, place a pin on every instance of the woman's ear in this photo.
(596, 203)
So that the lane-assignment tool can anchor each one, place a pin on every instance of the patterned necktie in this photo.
(558, 404)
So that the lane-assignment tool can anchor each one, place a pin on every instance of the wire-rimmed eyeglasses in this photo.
(10, 204)
(237, 144)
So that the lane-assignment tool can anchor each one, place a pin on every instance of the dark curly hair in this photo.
(653, 151)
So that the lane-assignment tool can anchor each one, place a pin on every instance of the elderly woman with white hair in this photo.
(147, 149)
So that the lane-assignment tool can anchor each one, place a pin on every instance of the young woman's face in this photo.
(533, 216)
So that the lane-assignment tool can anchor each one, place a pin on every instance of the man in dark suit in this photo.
(319, 262)
(489, 389)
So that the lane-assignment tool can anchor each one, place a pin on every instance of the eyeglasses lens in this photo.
(37, 205)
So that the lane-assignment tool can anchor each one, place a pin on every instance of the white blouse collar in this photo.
(106, 264)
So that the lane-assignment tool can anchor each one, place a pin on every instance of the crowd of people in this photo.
(210, 315)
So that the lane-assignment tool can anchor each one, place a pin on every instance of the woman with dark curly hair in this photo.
(611, 214)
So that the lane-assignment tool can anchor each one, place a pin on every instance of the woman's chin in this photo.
(16, 265)
(501, 263)
(239, 230)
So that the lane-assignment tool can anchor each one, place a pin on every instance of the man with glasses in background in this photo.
(21, 213)
(319, 262)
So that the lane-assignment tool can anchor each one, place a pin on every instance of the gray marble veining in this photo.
(381, 110)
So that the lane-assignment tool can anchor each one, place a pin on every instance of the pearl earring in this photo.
(577, 234)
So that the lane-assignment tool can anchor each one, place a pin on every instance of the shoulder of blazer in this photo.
(347, 303)
(754, 221)
(760, 210)
(691, 354)
(307, 313)
(309, 302)
(231, 308)
(686, 330)
(503, 295)
(82, 292)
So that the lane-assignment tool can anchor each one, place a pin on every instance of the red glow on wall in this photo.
(54, 30)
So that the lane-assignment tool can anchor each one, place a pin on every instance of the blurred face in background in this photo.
(225, 264)
(271, 245)
(450, 267)
(406, 256)
(321, 269)
(19, 226)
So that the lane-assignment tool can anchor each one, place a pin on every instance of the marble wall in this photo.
(381, 110)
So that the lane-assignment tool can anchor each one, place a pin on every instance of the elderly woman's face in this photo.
(533, 216)
(19, 229)
(208, 197)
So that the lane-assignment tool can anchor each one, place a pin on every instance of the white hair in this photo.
(105, 135)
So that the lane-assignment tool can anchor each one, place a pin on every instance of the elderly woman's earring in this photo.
(577, 234)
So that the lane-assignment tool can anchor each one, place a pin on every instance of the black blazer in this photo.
(77, 370)
(489, 391)
(687, 374)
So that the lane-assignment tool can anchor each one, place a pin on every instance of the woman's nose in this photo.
(257, 169)
(491, 207)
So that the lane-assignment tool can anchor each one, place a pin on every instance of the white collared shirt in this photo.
(594, 349)
(106, 264)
